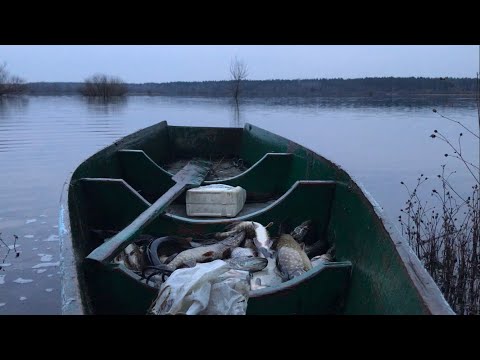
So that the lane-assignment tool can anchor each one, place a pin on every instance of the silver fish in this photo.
(267, 277)
(246, 263)
(242, 252)
(262, 240)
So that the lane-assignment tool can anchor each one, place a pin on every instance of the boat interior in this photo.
(286, 184)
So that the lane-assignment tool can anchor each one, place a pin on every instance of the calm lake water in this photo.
(42, 139)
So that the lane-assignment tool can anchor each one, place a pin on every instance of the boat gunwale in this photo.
(72, 302)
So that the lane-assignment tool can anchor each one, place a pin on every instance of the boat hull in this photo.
(376, 271)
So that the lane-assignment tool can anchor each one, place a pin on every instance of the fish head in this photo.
(247, 263)
(267, 253)
(264, 250)
(301, 231)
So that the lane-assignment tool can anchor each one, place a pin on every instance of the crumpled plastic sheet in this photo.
(206, 289)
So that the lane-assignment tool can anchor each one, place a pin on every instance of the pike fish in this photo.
(250, 245)
(301, 231)
(220, 250)
(132, 257)
(292, 261)
(253, 230)
(247, 227)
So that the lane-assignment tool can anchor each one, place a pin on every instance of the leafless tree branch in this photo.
(104, 86)
(10, 84)
(238, 72)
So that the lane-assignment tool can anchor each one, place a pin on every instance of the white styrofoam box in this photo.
(216, 200)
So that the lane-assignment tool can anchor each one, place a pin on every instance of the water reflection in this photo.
(13, 105)
(109, 106)
(235, 120)
(429, 101)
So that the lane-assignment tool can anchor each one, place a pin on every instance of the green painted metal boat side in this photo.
(374, 253)
(110, 202)
(385, 276)
(130, 295)
(205, 142)
(300, 296)
(144, 175)
(118, 207)
(151, 180)
(272, 166)
(297, 296)
(75, 239)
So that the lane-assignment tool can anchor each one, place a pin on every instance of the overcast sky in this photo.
(139, 63)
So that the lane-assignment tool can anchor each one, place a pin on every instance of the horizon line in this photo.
(297, 79)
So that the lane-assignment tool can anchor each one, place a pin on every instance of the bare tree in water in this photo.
(10, 84)
(238, 72)
(103, 86)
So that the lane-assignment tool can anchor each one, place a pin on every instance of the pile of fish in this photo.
(244, 246)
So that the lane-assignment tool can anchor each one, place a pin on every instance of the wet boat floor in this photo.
(221, 168)
(249, 208)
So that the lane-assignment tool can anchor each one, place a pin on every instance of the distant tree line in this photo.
(278, 88)
(54, 88)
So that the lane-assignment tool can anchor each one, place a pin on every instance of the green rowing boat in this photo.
(131, 188)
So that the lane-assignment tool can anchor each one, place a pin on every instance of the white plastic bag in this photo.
(206, 289)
